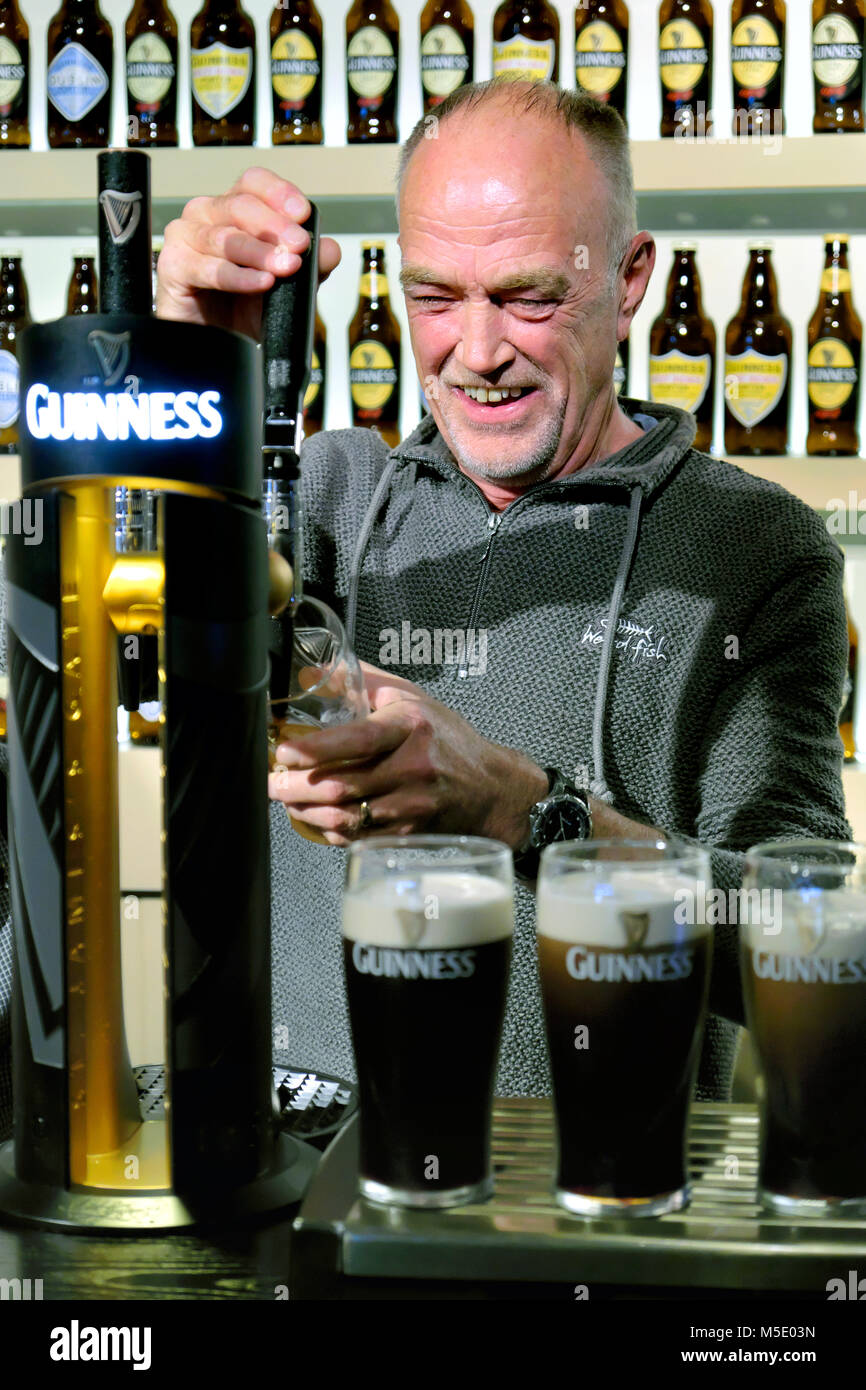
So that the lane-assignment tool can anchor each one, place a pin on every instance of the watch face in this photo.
(562, 818)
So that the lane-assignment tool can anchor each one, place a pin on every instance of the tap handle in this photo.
(288, 326)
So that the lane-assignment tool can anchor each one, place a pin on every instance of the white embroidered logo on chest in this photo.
(640, 643)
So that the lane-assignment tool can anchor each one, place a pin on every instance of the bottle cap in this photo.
(373, 246)
(11, 253)
(766, 246)
(682, 246)
(84, 253)
(835, 236)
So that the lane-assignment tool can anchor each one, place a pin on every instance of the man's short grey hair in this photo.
(601, 127)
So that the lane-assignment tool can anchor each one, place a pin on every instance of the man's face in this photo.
(505, 271)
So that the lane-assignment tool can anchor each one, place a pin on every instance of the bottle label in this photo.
(372, 375)
(220, 77)
(444, 60)
(524, 58)
(374, 285)
(317, 376)
(599, 58)
(835, 280)
(9, 383)
(678, 379)
(11, 74)
(76, 82)
(832, 374)
(295, 67)
(756, 52)
(837, 51)
(754, 385)
(619, 374)
(371, 64)
(149, 69)
(683, 56)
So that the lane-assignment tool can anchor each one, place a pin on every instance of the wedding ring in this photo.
(366, 816)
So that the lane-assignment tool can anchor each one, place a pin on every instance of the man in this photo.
(660, 630)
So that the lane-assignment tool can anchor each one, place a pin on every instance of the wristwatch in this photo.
(563, 814)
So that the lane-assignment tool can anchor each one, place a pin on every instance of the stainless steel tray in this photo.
(723, 1240)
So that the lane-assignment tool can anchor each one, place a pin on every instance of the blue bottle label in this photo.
(76, 82)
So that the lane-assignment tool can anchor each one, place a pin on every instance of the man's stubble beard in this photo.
(536, 465)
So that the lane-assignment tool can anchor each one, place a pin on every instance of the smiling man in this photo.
(664, 635)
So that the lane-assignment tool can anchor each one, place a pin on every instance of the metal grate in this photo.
(311, 1105)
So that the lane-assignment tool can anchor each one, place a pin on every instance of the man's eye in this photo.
(430, 299)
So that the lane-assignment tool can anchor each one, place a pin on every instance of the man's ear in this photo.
(638, 263)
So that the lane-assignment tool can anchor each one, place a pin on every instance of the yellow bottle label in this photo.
(371, 64)
(11, 72)
(372, 375)
(524, 58)
(835, 280)
(374, 285)
(683, 55)
(149, 69)
(756, 52)
(599, 58)
(832, 373)
(220, 77)
(754, 385)
(316, 379)
(837, 50)
(444, 60)
(678, 379)
(295, 68)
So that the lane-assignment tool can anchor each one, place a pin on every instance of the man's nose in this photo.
(482, 348)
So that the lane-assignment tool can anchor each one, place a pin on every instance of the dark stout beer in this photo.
(683, 349)
(297, 73)
(14, 77)
(447, 49)
(315, 398)
(223, 75)
(14, 317)
(758, 344)
(686, 66)
(835, 341)
(151, 75)
(601, 51)
(758, 65)
(372, 71)
(82, 297)
(837, 64)
(374, 351)
(526, 41)
(78, 81)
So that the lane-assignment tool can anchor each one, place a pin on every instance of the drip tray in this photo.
(723, 1240)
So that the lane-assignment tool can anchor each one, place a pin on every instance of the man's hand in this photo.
(417, 764)
(223, 253)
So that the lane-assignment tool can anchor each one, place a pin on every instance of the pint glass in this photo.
(624, 958)
(427, 927)
(803, 960)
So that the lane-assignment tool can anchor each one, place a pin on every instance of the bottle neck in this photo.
(374, 284)
(836, 276)
(759, 290)
(13, 295)
(684, 288)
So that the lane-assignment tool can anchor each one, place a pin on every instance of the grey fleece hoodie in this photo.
(660, 624)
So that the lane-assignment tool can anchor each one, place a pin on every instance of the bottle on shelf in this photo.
(682, 364)
(151, 75)
(526, 41)
(82, 296)
(447, 49)
(601, 51)
(835, 342)
(315, 398)
(374, 350)
(620, 368)
(848, 712)
(80, 52)
(222, 75)
(758, 343)
(14, 316)
(297, 65)
(372, 72)
(14, 78)
(686, 67)
(758, 66)
(838, 29)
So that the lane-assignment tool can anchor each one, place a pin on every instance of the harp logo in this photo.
(122, 214)
(112, 353)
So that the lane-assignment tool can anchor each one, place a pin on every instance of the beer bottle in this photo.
(78, 81)
(837, 64)
(14, 316)
(758, 343)
(14, 77)
(374, 351)
(447, 49)
(835, 340)
(601, 52)
(620, 369)
(372, 71)
(758, 65)
(314, 397)
(151, 75)
(686, 66)
(526, 41)
(296, 73)
(849, 698)
(82, 297)
(683, 349)
(222, 75)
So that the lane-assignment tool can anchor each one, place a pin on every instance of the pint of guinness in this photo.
(624, 979)
(427, 927)
(804, 982)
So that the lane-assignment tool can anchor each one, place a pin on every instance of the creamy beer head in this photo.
(430, 910)
(829, 924)
(627, 910)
